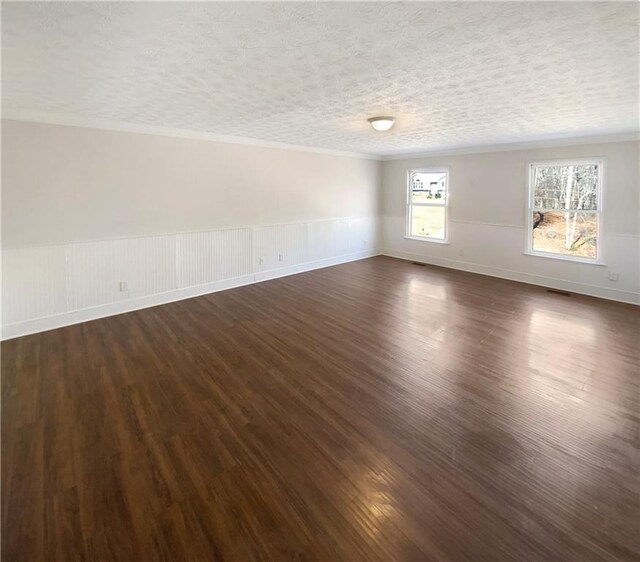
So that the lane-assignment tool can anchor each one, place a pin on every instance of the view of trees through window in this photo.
(565, 209)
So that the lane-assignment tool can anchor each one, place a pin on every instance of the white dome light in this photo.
(382, 123)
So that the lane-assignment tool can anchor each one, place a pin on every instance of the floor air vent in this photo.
(418, 263)
(557, 292)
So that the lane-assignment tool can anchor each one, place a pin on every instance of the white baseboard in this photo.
(52, 322)
(310, 266)
(543, 281)
(46, 323)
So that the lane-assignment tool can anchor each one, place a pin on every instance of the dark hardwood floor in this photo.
(376, 410)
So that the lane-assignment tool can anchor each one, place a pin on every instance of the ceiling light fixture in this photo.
(382, 123)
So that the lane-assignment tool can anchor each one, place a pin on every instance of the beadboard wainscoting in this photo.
(47, 287)
(498, 250)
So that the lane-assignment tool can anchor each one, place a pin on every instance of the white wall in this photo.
(65, 184)
(487, 213)
(84, 209)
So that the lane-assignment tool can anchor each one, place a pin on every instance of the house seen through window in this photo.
(426, 204)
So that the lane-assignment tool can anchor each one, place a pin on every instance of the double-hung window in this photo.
(565, 207)
(427, 200)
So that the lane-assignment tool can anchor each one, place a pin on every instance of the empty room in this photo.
(320, 281)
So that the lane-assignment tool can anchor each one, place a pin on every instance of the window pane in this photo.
(429, 187)
(569, 234)
(428, 221)
(566, 187)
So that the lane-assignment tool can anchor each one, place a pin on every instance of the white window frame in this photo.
(410, 204)
(600, 162)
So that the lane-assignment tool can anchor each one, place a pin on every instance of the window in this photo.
(565, 206)
(427, 199)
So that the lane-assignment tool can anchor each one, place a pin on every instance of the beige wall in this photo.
(85, 211)
(98, 222)
(63, 184)
(488, 201)
(492, 187)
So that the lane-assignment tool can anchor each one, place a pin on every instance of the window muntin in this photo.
(427, 204)
(565, 205)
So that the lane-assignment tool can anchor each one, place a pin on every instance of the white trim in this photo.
(109, 125)
(179, 232)
(549, 142)
(43, 324)
(599, 161)
(427, 239)
(476, 223)
(629, 297)
(520, 227)
(564, 257)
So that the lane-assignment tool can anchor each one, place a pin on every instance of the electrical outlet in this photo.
(261, 261)
(124, 286)
(365, 243)
(280, 257)
(461, 252)
(613, 276)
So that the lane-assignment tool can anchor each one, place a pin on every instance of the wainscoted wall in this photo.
(497, 250)
(81, 209)
(487, 217)
(85, 209)
(51, 286)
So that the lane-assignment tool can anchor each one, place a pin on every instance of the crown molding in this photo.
(522, 145)
(110, 125)
(121, 126)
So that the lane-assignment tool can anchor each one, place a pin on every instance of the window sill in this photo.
(425, 239)
(565, 258)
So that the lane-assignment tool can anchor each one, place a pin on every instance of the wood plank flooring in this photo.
(375, 410)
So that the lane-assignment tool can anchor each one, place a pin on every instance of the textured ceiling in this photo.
(311, 73)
